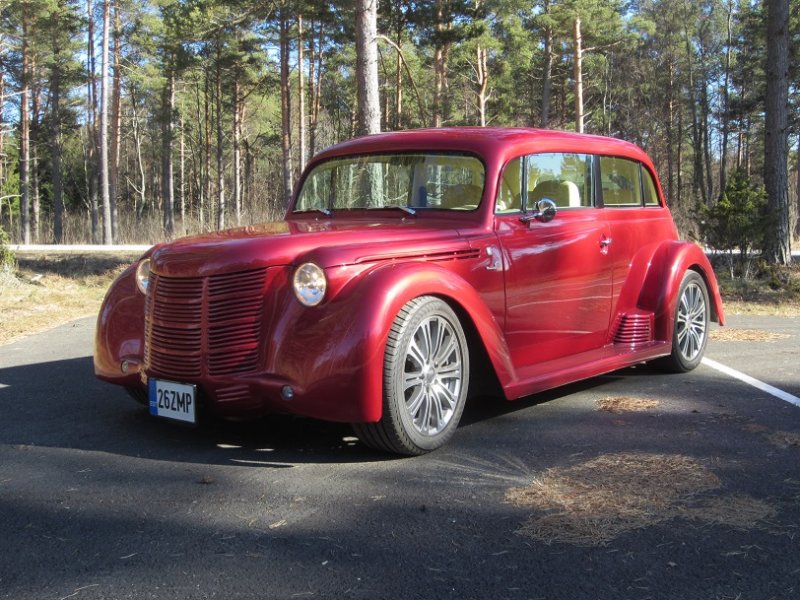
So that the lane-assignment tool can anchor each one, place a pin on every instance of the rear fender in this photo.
(659, 292)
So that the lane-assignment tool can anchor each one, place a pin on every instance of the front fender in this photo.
(119, 335)
(335, 352)
(659, 292)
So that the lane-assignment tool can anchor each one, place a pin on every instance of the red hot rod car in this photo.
(409, 266)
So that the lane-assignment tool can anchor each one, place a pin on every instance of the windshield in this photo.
(409, 181)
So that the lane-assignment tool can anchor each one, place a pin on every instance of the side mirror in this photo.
(545, 211)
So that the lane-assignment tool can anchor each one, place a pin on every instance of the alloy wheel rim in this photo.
(691, 322)
(432, 375)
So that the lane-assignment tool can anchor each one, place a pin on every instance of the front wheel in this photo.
(690, 329)
(425, 380)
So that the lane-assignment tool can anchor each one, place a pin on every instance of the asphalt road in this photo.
(99, 500)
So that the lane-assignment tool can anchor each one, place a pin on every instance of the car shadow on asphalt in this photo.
(62, 404)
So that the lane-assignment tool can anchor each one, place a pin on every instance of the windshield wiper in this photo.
(402, 207)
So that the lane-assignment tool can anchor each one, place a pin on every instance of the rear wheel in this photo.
(690, 330)
(425, 380)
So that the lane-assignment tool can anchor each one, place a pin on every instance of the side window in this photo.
(566, 179)
(650, 193)
(620, 182)
(509, 197)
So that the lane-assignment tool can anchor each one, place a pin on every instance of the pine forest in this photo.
(127, 121)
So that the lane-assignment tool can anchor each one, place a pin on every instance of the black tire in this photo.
(690, 326)
(425, 380)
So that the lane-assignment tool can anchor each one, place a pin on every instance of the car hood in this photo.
(327, 243)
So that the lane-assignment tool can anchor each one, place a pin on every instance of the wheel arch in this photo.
(398, 284)
(664, 273)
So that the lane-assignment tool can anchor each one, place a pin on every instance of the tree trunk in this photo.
(24, 136)
(578, 73)
(440, 59)
(167, 172)
(315, 83)
(182, 175)
(483, 84)
(207, 151)
(698, 188)
(136, 130)
(301, 97)
(91, 126)
(116, 121)
(220, 138)
(547, 69)
(725, 120)
(705, 106)
(34, 134)
(286, 115)
(797, 189)
(398, 80)
(369, 107)
(108, 237)
(776, 167)
(237, 146)
(55, 145)
(669, 128)
(679, 161)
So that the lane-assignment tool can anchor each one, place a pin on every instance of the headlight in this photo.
(143, 275)
(309, 284)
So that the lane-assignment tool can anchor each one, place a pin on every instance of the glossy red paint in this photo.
(551, 302)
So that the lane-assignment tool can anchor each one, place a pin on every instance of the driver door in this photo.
(558, 277)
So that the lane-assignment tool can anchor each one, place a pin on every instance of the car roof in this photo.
(496, 142)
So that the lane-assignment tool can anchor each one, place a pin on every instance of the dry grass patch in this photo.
(620, 404)
(48, 291)
(592, 503)
(786, 308)
(728, 334)
(737, 512)
(784, 439)
(755, 428)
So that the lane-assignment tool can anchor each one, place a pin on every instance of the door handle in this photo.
(606, 242)
(494, 254)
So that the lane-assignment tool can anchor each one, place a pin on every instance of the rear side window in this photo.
(621, 183)
(650, 193)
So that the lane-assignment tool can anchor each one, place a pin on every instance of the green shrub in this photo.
(737, 224)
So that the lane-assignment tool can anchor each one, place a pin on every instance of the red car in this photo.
(410, 267)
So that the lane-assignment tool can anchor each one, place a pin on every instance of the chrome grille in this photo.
(204, 325)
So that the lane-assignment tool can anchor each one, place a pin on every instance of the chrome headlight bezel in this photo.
(143, 275)
(310, 284)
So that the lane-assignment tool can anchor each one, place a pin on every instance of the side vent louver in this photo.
(634, 329)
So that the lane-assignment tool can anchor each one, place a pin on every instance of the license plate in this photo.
(172, 400)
